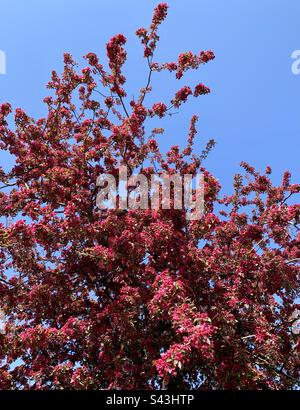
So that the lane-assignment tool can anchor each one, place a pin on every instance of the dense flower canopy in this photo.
(95, 299)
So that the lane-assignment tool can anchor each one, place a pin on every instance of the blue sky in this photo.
(253, 111)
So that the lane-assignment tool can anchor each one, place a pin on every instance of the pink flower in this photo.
(159, 109)
(201, 89)
(181, 96)
(206, 56)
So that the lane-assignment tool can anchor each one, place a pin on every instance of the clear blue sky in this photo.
(253, 112)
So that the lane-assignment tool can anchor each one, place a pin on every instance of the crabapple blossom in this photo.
(138, 299)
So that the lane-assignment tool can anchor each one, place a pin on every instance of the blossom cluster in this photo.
(138, 299)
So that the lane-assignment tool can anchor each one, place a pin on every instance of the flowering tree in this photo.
(97, 299)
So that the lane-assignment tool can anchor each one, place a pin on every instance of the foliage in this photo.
(95, 299)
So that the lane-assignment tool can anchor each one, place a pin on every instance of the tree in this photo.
(96, 299)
